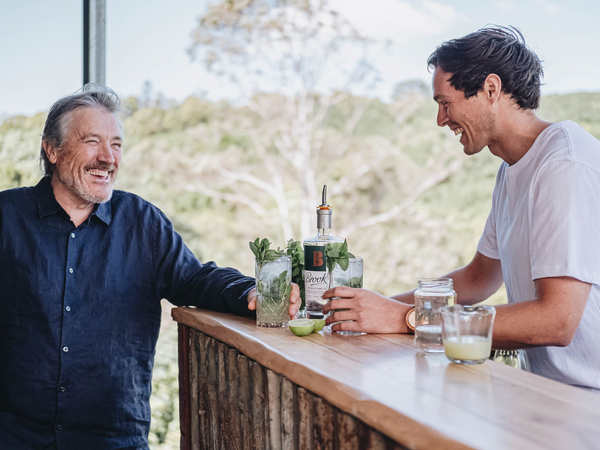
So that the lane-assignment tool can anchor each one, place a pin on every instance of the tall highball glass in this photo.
(351, 277)
(274, 287)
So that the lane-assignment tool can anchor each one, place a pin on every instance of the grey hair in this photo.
(91, 95)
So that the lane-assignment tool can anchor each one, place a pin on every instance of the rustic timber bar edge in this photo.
(245, 387)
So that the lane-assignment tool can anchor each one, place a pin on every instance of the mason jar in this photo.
(431, 295)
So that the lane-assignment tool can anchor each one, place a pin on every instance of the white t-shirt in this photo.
(545, 222)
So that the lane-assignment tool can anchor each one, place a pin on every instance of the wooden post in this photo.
(213, 419)
(323, 426)
(259, 410)
(289, 415)
(184, 387)
(305, 414)
(203, 407)
(245, 403)
(274, 401)
(194, 416)
(233, 383)
(347, 432)
(223, 397)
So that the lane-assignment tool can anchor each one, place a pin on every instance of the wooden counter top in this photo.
(421, 401)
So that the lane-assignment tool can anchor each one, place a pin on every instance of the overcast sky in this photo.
(41, 51)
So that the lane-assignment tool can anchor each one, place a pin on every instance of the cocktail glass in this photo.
(274, 286)
(351, 277)
(467, 333)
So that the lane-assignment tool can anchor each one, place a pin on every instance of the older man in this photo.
(542, 237)
(82, 273)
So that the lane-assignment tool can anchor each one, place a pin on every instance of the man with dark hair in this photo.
(82, 273)
(542, 237)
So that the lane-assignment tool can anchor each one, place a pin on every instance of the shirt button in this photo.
(59, 427)
(70, 270)
(72, 235)
(65, 349)
(62, 389)
(68, 308)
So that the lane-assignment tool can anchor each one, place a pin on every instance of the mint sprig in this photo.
(261, 250)
(337, 253)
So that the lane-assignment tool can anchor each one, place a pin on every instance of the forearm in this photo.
(470, 287)
(527, 324)
(550, 320)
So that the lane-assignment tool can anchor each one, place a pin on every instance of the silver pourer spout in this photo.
(324, 212)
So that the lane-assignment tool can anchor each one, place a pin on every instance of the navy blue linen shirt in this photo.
(80, 314)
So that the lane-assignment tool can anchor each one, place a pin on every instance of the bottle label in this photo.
(314, 259)
(316, 277)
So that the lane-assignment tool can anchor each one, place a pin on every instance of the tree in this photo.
(310, 58)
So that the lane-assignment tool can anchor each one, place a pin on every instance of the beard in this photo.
(80, 189)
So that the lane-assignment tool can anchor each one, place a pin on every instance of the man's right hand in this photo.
(369, 311)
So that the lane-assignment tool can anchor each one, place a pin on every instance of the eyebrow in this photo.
(439, 97)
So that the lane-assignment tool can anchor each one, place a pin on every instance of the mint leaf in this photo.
(344, 263)
(254, 248)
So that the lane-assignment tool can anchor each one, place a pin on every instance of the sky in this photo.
(147, 40)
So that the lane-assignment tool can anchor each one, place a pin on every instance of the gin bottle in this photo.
(316, 277)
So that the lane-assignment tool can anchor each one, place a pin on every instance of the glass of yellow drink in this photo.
(467, 333)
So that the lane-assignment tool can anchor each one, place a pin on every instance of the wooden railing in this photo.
(242, 405)
(245, 387)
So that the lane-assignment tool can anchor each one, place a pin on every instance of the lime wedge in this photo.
(319, 324)
(302, 327)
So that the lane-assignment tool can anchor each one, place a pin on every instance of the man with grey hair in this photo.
(82, 273)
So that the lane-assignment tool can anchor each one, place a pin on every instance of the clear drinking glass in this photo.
(467, 333)
(274, 286)
(431, 295)
(352, 277)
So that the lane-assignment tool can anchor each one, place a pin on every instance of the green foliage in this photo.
(261, 251)
(337, 253)
(295, 250)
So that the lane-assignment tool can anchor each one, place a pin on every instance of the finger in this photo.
(340, 316)
(295, 297)
(339, 303)
(293, 310)
(252, 304)
(347, 326)
(340, 291)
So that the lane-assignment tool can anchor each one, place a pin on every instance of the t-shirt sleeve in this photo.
(565, 222)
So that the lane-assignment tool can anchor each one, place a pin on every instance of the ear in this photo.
(51, 151)
(492, 87)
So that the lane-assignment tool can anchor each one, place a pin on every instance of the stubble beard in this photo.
(82, 191)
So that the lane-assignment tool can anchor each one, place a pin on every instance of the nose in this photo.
(105, 154)
(442, 116)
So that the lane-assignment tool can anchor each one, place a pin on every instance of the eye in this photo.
(91, 141)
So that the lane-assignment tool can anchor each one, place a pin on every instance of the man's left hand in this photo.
(295, 300)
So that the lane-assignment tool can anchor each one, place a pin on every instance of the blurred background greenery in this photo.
(404, 195)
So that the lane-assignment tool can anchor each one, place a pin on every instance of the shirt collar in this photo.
(47, 204)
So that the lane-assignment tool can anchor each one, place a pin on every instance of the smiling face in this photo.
(87, 165)
(469, 118)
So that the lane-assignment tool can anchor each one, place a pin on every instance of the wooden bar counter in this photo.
(245, 387)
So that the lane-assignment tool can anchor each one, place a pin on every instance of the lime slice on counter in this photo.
(319, 324)
(302, 327)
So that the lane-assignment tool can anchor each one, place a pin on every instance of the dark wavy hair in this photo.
(493, 49)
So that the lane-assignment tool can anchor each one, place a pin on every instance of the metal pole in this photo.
(94, 41)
